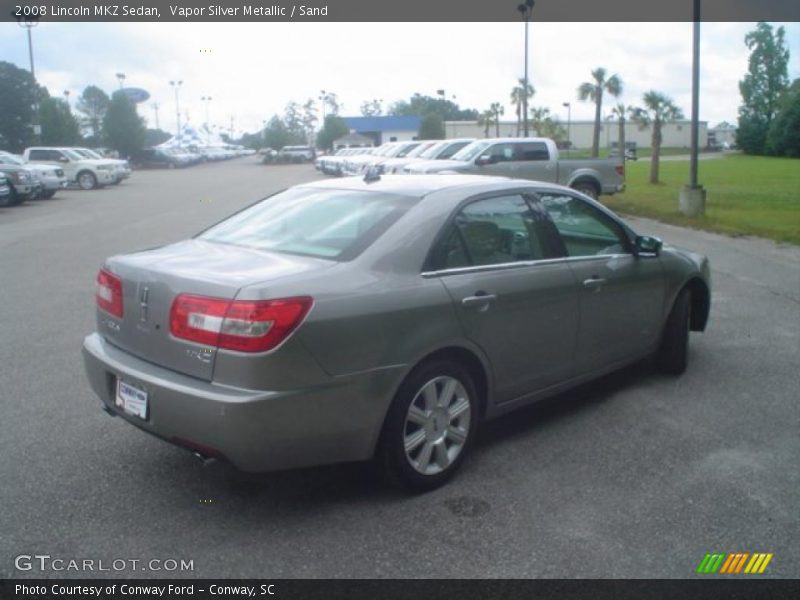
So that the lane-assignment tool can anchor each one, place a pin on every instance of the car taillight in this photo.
(109, 293)
(243, 325)
(620, 170)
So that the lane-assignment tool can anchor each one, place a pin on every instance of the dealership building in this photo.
(676, 134)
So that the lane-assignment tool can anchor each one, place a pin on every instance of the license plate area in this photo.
(132, 399)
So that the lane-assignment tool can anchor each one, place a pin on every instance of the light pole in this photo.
(323, 98)
(66, 99)
(526, 10)
(121, 78)
(154, 105)
(206, 100)
(568, 106)
(29, 24)
(176, 86)
(692, 199)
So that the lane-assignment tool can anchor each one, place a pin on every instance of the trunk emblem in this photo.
(143, 303)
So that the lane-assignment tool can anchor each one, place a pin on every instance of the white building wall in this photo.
(674, 135)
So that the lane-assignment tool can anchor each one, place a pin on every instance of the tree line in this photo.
(99, 119)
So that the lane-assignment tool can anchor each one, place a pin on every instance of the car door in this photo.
(514, 295)
(497, 159)
(621, 295)
(532, 160)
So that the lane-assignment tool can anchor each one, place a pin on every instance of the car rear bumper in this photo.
(255, 430)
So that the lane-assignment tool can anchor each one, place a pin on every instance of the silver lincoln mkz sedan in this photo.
(350, 319)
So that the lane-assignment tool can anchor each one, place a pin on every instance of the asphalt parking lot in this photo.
(638, 475)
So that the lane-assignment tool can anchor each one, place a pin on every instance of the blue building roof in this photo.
(384, 123)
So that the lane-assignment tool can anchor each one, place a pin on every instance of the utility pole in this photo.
(155, 110)
(526, 10)
(176, 87)
(692, 199)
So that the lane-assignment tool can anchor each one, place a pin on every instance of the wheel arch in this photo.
(700, 302)
(471, 360)
(587, 179)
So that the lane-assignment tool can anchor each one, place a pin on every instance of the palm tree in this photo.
(593, 90)
(485, 120)
(658, 109)
(620, 111)
(497, 110)
(518, 99)
(537, 117)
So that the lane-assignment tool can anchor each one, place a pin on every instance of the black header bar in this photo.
(394, 10)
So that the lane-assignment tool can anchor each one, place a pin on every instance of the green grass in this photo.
(746, 195)
(640, 152)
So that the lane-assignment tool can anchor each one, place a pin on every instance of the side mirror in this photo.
(486, 159)
(647, 246)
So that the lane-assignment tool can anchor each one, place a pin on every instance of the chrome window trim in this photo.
(520, 264)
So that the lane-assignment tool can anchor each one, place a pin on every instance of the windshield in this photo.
(470, 151)
(83, 153)
(10, 159)
(419, 150)
(334, 224)
(432, 151)
(72, 154)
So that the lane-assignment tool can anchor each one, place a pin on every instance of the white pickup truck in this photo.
(531, 158)
(87, 173)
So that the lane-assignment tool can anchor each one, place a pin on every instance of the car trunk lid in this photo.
(152, 279)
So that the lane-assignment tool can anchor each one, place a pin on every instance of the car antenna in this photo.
(372, 175)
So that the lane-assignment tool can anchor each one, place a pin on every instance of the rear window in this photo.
(334, 224)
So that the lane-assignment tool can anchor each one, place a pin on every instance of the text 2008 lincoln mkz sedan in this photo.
(341, 320)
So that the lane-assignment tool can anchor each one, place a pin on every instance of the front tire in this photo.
(430, 426)
(87, 180)
(673, 354)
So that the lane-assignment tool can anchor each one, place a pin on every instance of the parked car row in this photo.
(22, 181)
(535, 159)
(81, 166)
(172, 157)
(288, 154)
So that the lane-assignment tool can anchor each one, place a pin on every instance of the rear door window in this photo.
(492, 231)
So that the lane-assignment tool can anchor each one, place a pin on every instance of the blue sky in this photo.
(251, 70)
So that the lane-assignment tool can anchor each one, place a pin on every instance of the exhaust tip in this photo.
(206, 460)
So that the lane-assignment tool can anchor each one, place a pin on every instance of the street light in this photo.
(692, 199)
(29, 24)
(121, 78)
(154, 105)
(526, 10)
(568, 106)
(206, 100)
(176, 86)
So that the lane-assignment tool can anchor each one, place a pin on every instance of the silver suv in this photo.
(296, 154)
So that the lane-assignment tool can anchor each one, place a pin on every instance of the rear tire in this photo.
(588, 188)
(673, 354)
(430, 426)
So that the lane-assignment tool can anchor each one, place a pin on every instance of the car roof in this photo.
(504, 140)
(419, 185)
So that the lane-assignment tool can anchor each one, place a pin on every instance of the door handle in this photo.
(594, 283)
(479, 301)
